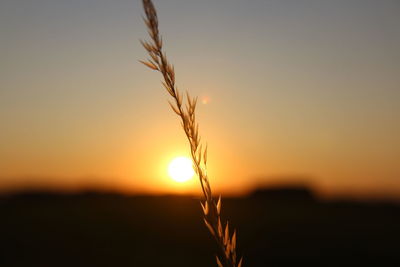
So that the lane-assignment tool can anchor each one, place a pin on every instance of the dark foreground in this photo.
(275, 229)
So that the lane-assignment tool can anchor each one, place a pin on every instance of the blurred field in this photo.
(276, 228)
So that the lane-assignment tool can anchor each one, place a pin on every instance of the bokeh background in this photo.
(298, 98)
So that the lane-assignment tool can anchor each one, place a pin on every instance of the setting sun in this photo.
(180, 169)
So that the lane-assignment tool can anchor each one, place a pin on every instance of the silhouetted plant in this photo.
(211, 208)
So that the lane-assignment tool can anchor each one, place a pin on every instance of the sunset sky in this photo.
(290, 91)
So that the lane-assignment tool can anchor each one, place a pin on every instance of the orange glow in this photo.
(205, 100)
(82, 113)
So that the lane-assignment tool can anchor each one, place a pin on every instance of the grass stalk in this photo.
(186, 111)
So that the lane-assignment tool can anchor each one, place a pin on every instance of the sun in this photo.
(180, 169)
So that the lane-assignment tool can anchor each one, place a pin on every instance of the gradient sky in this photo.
(304, 91)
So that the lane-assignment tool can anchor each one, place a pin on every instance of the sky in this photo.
(304, 92)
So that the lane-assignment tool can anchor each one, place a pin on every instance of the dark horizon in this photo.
(276, 189)
(275, 228)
